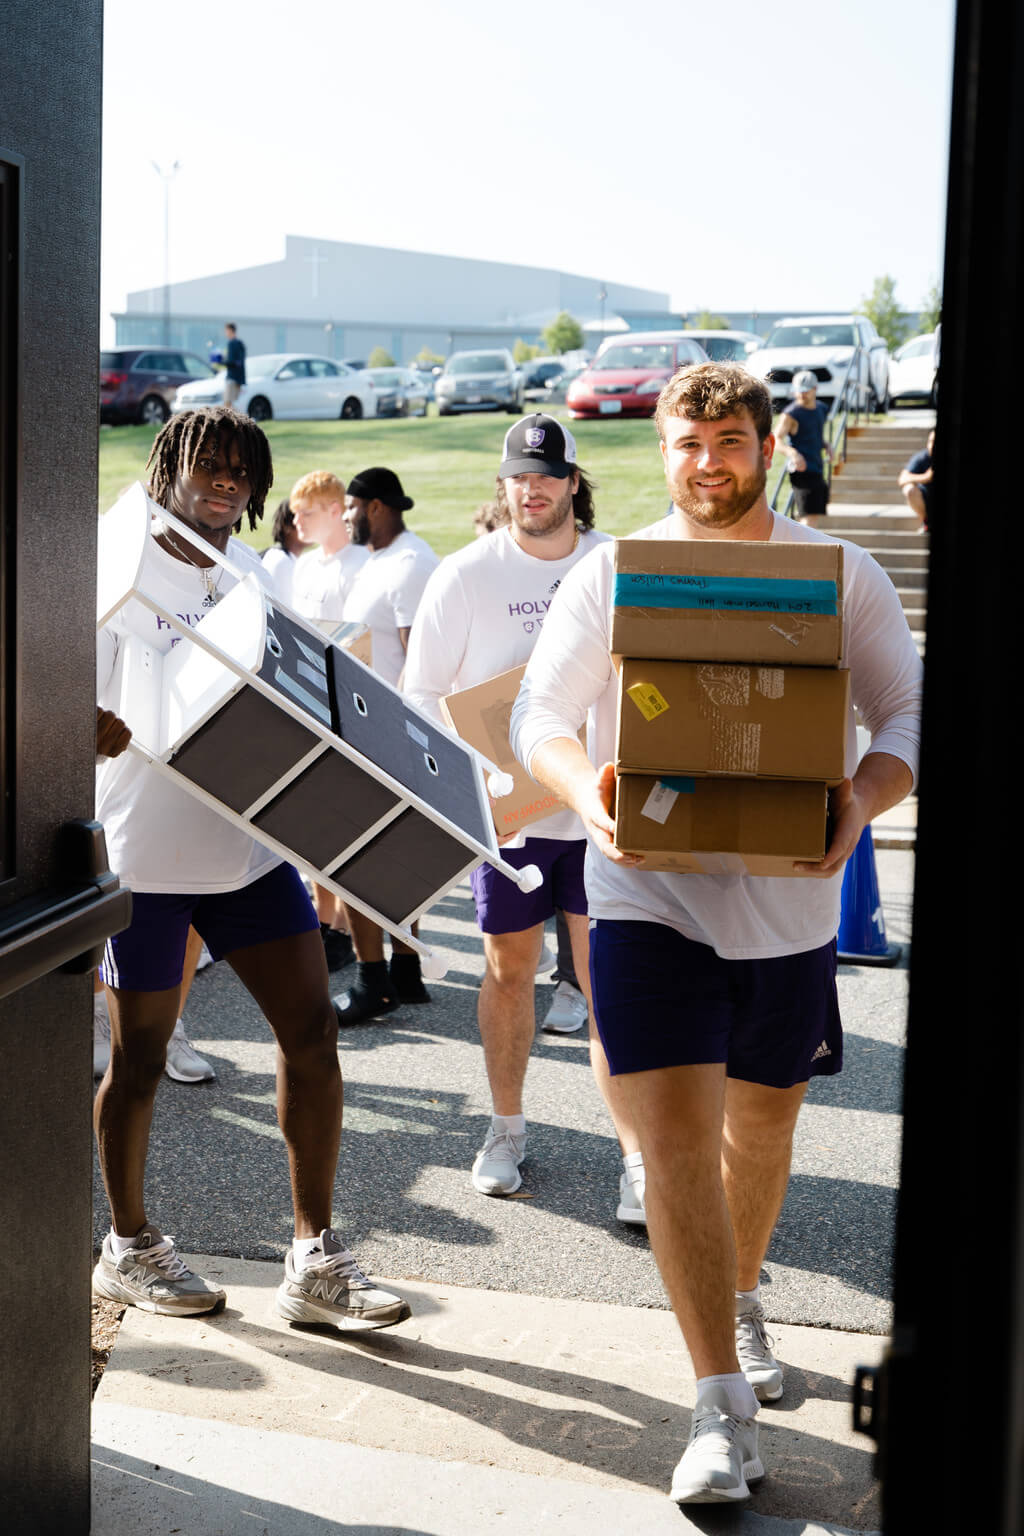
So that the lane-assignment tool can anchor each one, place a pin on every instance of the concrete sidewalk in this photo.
(485, 1408)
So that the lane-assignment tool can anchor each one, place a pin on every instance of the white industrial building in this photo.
(341, 300)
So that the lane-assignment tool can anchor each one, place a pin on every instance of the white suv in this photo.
(825, 345)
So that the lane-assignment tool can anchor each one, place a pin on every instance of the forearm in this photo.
(563, 766)
(881, 781)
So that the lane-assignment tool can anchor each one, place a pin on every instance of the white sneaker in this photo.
(753, 1351)
(205, 959)
(720, 1457)
(100, 1034)
(333, 1289)
(567, 1013)
(547, 961)
(631, 1192)
(184, 1063)
(496, 1169)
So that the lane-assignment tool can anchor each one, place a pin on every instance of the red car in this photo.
(628, 373)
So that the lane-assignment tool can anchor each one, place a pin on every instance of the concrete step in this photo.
(871, 492)
(867, 538)
(885, 437)
(855, 477)
(896, 521)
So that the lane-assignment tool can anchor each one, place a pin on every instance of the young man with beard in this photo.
(185, 863)
(480, 616)
(736, 974)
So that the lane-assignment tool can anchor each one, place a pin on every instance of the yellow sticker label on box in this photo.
(648, 700)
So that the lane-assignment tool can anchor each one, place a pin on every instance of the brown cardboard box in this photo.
(480, 715)
(729, 600)
(720, 826)
(705, 717)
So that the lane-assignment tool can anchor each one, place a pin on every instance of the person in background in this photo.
(915, 481)
(801, 433)
(234, 364)
(279, 560)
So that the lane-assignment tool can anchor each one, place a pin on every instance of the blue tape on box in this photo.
(681, 786)
(660, 589)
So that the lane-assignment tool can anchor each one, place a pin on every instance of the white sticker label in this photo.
(658, 805)
(417, 736)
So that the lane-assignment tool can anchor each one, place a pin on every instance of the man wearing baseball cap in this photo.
(384, 597)
(481, 615)
(801, 433)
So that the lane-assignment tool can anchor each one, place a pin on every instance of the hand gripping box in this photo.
(480, 715)
(729, 600)
(716, 826)
(705, 717)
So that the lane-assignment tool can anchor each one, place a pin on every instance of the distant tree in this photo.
(931, 309)
(564, 334)
(884, 312)
(524, 351)
(706, 321)
(425, 360)
(380, 357)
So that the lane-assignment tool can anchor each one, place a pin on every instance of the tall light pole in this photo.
(167, 177)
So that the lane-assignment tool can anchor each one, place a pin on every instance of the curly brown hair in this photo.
(183, 439)
(710, 391)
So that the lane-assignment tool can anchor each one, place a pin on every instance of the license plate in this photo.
(610, 407)
(473, 399)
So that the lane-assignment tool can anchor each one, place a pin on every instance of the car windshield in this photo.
(266, 363)
(386, 378)
(823, 335)
(724, 349)
(656, 354)
(477, 362)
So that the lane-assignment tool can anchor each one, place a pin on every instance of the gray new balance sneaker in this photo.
(753, 1351)
(720, 1460)
(184, 1063)
(151, 1276)
(496, 1167)
(333, 1289)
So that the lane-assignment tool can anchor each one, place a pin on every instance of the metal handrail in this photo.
(846, 402)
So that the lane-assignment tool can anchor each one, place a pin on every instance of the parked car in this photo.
(399, 391)
(291, 385)
(479, 381)
(728, 346)
(825, 345)
(628, 373)
(914, 370)
(138, 384)
(540, 371)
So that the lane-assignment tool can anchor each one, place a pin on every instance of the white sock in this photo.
(121, 1245)
(739, 1392)
(514, 1124)
(633, 1160)
(754, 1295)
(303, 1248)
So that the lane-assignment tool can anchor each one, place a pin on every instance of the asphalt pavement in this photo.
(415, 1111)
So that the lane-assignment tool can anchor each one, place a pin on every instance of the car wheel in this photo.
(352, 410)
(153, 411)
(443, 410)
(259, 408)
(873, 405)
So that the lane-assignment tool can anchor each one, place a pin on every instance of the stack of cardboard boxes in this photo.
(733, 703)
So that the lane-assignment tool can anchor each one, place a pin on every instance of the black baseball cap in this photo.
(380, 485)
(538, 445)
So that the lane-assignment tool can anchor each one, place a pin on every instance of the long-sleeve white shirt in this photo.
(570, 672)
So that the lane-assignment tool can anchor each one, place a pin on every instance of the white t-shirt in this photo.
(159, 837)
(279, 567)
(321, 584)
(481, 614)
(385, 596)
(740, 916)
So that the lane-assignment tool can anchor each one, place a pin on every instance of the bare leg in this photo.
(608, 1086)
(141, 1023)
(330, 909)
(368, 936)
(193, 949)
(288, 979)
(757, 1146)
(916, 503)
(506, 1013)
(678, 1114)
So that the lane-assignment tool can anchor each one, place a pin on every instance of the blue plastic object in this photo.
(862, 939)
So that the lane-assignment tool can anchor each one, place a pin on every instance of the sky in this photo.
(735, 155)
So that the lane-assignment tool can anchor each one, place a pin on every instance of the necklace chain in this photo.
(211, 587)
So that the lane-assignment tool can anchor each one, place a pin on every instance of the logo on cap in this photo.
(534, 437)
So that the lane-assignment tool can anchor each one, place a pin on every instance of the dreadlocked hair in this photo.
(182, 440)
(582, 502)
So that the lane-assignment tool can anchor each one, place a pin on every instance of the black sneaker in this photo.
(337, 948)
(361, 1002)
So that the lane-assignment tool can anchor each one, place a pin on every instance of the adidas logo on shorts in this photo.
(823, 1050)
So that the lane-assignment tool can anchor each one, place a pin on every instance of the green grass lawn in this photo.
(446, 464)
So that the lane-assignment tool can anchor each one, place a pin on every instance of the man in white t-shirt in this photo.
(715, 994)
(481, 615)
(321, 583)
(186, 864)
(385, 598)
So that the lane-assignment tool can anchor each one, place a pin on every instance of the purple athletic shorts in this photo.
(149, 955)
(501, 907)
(662, 1000)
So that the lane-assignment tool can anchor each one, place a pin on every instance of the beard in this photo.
(722, 512)
(551, 520)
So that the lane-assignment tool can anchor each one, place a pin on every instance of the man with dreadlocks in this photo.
(184, 863)
(481, 615)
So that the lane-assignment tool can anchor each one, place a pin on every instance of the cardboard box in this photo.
(705, 717)
(728, 600)
(481, 715)
(720, 826)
